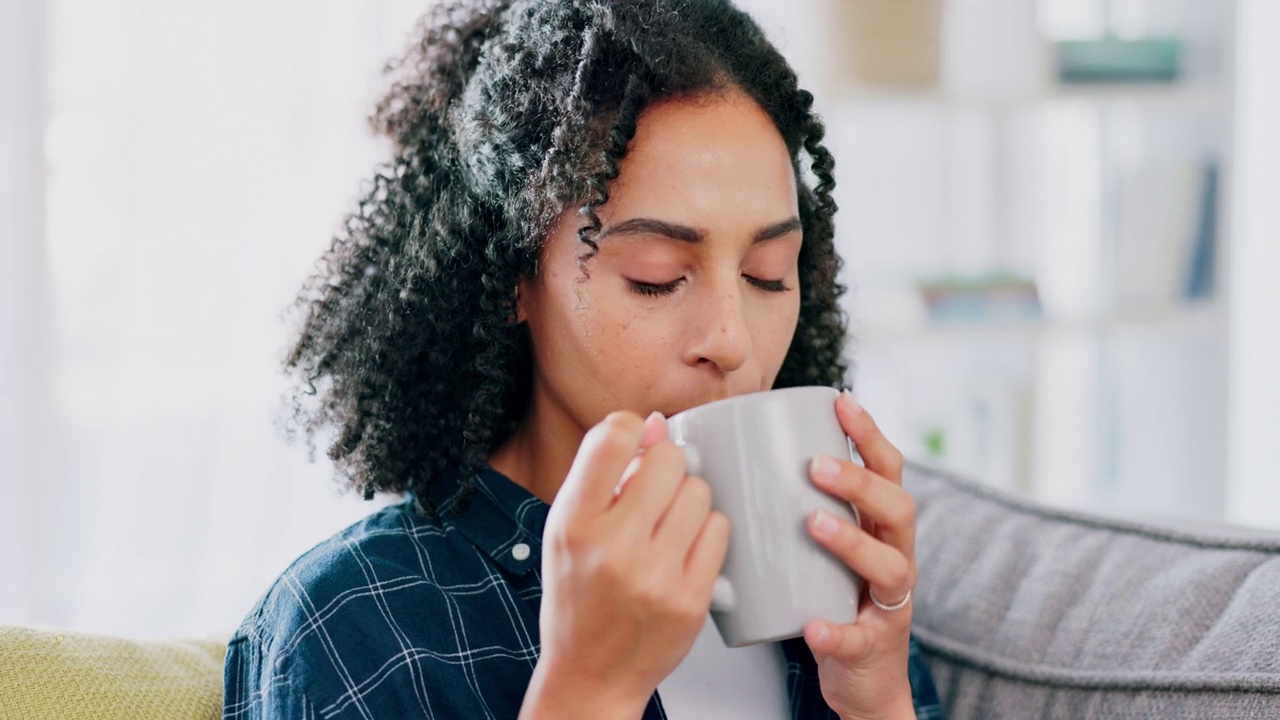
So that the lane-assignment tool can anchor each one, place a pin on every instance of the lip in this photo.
(704, 398)
(677, 409)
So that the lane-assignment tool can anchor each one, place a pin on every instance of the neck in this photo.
(540, 451)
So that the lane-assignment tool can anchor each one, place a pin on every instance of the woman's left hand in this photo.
(862, 666)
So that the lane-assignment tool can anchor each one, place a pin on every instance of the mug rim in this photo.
(726, 402)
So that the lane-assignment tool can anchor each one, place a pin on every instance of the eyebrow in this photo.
(693, 236)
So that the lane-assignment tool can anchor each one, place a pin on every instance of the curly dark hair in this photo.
(503, 114)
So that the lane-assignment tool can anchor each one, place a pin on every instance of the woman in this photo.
(596, 213)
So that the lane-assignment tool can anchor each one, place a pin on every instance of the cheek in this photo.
(631, 346)
(599, 336)
(775, 330)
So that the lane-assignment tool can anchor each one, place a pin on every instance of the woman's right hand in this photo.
(626, 577)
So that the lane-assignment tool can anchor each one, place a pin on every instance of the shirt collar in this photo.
(500, 517)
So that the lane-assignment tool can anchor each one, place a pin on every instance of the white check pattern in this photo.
(404, 616)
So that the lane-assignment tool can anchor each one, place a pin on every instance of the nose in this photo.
(717, 332)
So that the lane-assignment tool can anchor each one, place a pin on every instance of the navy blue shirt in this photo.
(402, 615)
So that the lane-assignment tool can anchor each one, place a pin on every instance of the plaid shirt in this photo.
(405, 616)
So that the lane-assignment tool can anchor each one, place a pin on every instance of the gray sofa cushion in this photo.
(1027, 612)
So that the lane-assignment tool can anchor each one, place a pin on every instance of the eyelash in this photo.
(660, 289)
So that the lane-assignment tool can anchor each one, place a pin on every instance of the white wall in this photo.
(167, 180)
(798, 30)
(24, 382)
(1253, 476)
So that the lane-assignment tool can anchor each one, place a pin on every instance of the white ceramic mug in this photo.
(754, 452)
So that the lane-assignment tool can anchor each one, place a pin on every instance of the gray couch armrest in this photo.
(1028, 612)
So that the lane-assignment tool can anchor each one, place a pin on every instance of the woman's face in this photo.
(694, 295)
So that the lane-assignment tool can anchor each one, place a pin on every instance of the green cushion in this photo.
(48, 674)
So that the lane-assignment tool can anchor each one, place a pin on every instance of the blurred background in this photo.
(1058, 217)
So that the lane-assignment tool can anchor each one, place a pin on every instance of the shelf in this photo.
(1203, 98)
(1200, 318)
(1103, 193)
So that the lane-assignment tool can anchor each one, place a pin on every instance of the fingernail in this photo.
(824, 633)
(824, 467)
(824, 523)
(652, 428)
(854, 407)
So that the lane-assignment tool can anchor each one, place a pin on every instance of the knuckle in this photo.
(898, 574)
(667, 454)
(568, 537)
(697, 493)
(612, 567)
(714, 536)
(718, 525)
(617, 430)
(693, 607)
(846, 540)
(854, 644)
(623, 419)
(895, 461)
(903, 513)
(653, 592)
(908, 506)
(620, 423)
(860, 479)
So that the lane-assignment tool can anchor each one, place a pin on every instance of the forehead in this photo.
(705, 161)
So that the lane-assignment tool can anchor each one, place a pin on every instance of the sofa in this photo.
(1028, 612)
(1023, 612)
(51, 675)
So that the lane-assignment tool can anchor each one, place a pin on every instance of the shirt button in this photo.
(520, 551)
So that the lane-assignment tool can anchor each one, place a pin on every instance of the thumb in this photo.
(655, 430)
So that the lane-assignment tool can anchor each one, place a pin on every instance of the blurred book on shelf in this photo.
(1203, 261)
(1113, 60)
(998, 297)
(1166, 235)
(895, 43)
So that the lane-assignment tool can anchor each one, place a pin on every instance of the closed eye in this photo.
(655, 289)
(776, 286)
(659, 289)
